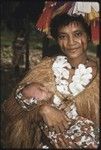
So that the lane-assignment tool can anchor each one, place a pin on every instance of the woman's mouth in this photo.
(73, 50)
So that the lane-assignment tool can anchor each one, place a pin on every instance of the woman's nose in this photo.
(71, 40)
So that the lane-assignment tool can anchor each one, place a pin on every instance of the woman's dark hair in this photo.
(65, 19)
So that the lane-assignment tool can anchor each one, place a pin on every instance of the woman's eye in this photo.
(62, 37)
(78, 34)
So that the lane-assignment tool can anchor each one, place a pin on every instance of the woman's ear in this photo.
(89, 40)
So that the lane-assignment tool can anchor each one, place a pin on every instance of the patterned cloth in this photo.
(80, 134)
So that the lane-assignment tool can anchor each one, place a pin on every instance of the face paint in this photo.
(72, 39)
(82, 43)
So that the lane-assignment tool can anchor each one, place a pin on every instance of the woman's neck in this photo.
(82, 59)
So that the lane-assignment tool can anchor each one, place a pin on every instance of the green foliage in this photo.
(35, 39)
(6, 38)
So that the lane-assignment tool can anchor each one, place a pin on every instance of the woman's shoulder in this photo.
(39, 72)
(45, 62)
(93, 62)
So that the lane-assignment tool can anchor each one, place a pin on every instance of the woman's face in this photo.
(72, 40)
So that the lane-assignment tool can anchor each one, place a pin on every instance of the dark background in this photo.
(15, 13)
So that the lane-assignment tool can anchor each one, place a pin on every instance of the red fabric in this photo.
(95, 26)
(45, 17)
(50, 10)
(62, 9)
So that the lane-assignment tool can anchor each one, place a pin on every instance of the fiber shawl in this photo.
(20, 128)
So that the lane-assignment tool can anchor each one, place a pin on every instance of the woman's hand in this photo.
(54, 118)
(37, 91)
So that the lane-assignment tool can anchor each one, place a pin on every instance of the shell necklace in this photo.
(80, 79)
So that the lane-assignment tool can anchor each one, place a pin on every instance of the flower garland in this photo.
(80, 79)
(61, 68)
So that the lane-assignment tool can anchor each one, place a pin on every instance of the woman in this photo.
(57, 104)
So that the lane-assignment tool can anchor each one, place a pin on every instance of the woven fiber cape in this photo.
(19, 127)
